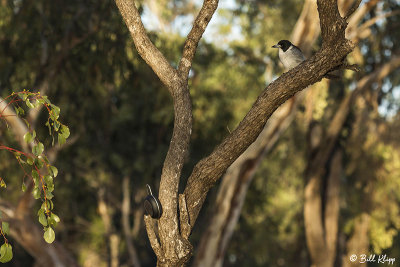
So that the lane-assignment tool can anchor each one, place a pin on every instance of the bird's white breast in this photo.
(291, 58)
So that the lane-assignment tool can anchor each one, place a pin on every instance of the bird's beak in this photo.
(275, 46)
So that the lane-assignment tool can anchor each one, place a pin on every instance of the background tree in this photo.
(121, 120)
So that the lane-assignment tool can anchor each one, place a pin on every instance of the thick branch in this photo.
(174, 248)
(146, 49)
(332, 24)
(199, 26)
(209, 169)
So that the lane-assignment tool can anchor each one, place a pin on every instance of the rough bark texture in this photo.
(173, 248)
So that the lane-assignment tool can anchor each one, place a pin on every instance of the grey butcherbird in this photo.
(291, 56)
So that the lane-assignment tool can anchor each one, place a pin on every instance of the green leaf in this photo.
(54, 171)
(44, 158)
(26, 122)
(28, 137)
(6, 253)
(39, 163)
(48, 126)
(42, 218)
(49, 235)
(23, 95)
(29, 104)
(17, 155)
(50, 205)
(55, 112)
(30, 160)
(48, 180)
(38, 149)
(61, 139)
(49, 195)
(45, 98)
(19, 111)
(6, 228)
(36, 193)
(36, 177)
(55, 218)
(50, 187)
(65, 131)
(56, 125)
(23, 187)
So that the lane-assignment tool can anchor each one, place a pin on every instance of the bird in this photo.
(291, 56)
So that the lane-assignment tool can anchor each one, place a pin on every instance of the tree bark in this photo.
(173, 248)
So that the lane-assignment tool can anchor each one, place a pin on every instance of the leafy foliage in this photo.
(35, 165)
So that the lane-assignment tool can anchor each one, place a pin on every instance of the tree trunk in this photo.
(358, 243)
(29, 235)
(321, 229)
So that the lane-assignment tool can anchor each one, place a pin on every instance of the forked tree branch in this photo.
(334, 50)
(175, 248)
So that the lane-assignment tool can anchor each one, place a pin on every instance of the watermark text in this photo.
(364, 258)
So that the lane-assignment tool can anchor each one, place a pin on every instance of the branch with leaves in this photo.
(34, 164)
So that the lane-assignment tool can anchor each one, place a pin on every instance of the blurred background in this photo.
(338, 140)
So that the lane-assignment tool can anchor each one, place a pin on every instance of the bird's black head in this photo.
(283, 44)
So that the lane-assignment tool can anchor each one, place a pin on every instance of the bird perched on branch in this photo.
(291, 56)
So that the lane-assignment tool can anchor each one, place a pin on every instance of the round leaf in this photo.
(6, 253)
(38, 149)
(49, 235)
(6, 228)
